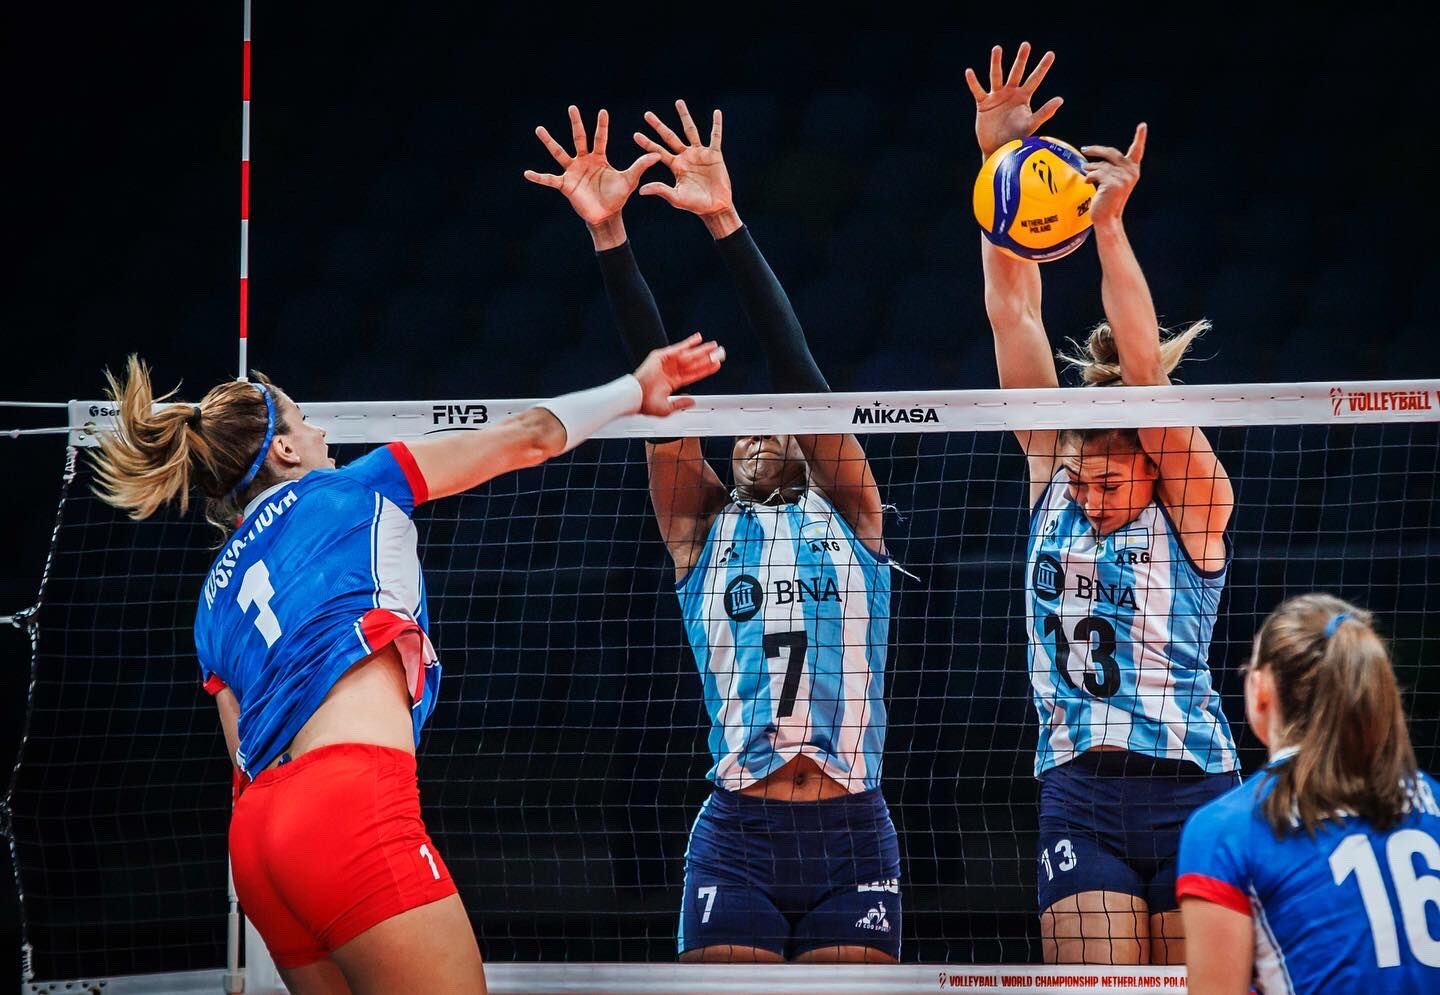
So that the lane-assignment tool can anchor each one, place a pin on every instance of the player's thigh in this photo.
(426, 949)
(846, 955)
(729, 953)
(320, 978)
(1167, 938)
(1096, 927)
(720, 912)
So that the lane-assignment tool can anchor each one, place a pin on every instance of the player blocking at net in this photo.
(311, 632)
(784, 591)
(1127, 557)
(1286, 881)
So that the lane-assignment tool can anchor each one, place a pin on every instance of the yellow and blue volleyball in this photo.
(1032, 201)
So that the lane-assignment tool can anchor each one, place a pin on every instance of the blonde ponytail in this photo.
(1098, 358)
(158, 453)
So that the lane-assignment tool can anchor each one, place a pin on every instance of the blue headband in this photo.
(1334, 623)
(251, 473)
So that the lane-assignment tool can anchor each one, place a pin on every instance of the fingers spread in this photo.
(602, 131)
(1137, 147)
(661, 190)
(648, 144)
(641, 164)
(997, 72)
(1038, 76)
(687, 123)
(680, 402)
(715, 129)
(544, 179)
(553, 147)
(663, 130)
(1017, 70)
(1045, 113)
(577, 131)
(1104, 152)
(976, 90)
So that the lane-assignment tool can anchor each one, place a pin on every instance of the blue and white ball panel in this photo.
(1119, 639)
(788, 615)
(321, 573)
(1351, 909)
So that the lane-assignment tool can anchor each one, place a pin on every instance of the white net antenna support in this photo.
(1352, 402)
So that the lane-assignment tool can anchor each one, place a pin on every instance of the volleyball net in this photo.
(565, 761)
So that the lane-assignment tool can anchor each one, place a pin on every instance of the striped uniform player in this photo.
(785, 595)
(311, 633)
(1322, 872)
(1125, 563)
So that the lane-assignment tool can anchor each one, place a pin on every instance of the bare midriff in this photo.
(368, 704)
(801, 780)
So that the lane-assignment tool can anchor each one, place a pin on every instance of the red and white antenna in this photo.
(245, 205)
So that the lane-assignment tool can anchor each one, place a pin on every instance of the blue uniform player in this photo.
(1321, 873)
(311, 636)
(1125, 564)
(784, 590)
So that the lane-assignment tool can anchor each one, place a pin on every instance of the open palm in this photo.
(595, 189)
(1003, 113)
(702, 183)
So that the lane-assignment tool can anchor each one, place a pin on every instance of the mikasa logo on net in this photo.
(881, 415)
(1344, 401)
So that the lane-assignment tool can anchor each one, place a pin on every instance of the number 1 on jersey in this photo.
(256, 589)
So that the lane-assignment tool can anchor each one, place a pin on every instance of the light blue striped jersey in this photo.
(788, 615)
(1119, 638)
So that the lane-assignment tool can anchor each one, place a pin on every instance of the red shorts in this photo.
(330, 844)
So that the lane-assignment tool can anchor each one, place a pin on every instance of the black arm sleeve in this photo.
(631, 303)
(792, 368)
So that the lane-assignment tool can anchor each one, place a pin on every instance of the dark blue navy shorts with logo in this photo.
(791, 877)
(1110, 820)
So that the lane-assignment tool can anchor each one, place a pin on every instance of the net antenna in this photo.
(245, 204)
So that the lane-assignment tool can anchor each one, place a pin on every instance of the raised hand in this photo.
(702, 184)
(1114, 175)
(1003, 113)
(667, 370)
(596, 189)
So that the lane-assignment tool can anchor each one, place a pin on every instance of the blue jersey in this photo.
(1351, 909)
(789, 618)
(321, 573)
(1119, 636)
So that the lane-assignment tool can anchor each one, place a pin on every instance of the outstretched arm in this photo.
(1012, 286)
(684, 489)
(1193, 483)
(457, 462)
(837, 463)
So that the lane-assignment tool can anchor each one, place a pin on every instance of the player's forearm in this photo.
(1012, 288)
(608, 234)
(631, 303)
(1128, 306)
(767, 306)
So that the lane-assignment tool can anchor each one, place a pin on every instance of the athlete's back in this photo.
(321, 573)
(1350, 909)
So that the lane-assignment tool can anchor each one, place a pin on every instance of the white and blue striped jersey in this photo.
(1119, 638)
(788, 614)
(1349, 909)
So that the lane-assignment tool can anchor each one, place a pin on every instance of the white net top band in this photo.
(861, 413)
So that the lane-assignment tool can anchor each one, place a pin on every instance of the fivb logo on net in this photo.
(1344, 401)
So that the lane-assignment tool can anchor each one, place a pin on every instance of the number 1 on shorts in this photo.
(425, 852)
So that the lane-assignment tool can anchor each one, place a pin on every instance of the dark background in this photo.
(396, 251)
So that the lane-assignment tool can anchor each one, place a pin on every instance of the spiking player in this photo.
(311, 635)
(785, 593)
(1126, 560)
(1322, 873)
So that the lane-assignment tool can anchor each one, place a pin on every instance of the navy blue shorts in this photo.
(791, 877)
(1110, 820)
